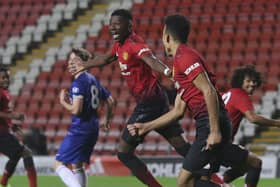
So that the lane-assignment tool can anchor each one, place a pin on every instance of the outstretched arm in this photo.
(156, 64)
(260, 120)
(174, 114)
(12, 115)
(100, 60)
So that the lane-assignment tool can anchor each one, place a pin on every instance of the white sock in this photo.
(67, 176)
(81, 176)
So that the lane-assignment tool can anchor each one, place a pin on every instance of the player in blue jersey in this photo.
(82, 101)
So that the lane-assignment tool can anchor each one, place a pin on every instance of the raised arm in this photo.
(203, 83)
(156, 64)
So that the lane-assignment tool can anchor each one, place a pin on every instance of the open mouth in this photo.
(115, 36)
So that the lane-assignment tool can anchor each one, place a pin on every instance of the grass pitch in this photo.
(104, 181)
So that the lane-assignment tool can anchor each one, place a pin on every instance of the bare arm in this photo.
(203, 83)
(260, 120)
(109, 105)
(76, 107)
(174, 114)
(157, 65)
(12, 115)
(100, 60)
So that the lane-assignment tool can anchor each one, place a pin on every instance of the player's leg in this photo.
(127, 156)
(254, 169)
(29, 167)
(68, 153)
(173, 135)
(80, 173)
(66, 175)
(13, 149)
(238, 157)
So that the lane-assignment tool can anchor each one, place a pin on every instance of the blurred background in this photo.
(37, 35)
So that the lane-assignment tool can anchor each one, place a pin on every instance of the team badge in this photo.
(125, 55)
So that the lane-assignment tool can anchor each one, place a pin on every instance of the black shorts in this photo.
(10, 146)
(147, 111)
(226, 153)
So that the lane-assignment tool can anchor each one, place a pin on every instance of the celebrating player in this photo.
(84, 98)
(244, 82)
(136, 62)
(196, 91)
(10, 145)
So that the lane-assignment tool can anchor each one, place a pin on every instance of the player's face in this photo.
(74, 64)
(119, 28)
(249, 85)
(166, 42)
(4, 79)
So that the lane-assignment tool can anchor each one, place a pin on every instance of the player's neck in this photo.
(78, 74)
(174, 48)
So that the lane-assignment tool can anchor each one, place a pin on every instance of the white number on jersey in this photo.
(226, 97)
(94, 97)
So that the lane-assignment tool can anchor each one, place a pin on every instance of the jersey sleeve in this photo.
(140, 49)
(104, 93)
(77, 90)
(243, 103)
(190, 65)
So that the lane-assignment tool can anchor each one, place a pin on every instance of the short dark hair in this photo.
(82, 53)
(123, 13)
(240, 73)
(178, 26)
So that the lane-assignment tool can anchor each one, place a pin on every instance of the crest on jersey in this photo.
(125, 55)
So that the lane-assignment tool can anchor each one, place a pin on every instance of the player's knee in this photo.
(254, 161)
(185, 177)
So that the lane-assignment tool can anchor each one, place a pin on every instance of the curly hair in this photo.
(240, 73)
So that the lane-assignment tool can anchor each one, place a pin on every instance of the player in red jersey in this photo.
(195, 91)
(137, 62)
(12, 147)
(244, 82)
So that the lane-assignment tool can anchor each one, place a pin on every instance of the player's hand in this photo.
(17, 129)
(63, 96)
(136, 129)
(104, 125)
(213, 139)
(17, 116)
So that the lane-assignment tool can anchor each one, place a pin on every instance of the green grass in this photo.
(102, 181)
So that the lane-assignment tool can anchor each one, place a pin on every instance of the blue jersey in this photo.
(87, 87)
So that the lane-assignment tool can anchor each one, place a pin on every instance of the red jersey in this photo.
(5, 106)
(188, 64)
(139, 76)
(237, 102)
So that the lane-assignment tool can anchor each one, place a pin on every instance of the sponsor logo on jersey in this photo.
(191, 68)
(125, 55)
(75, 90)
